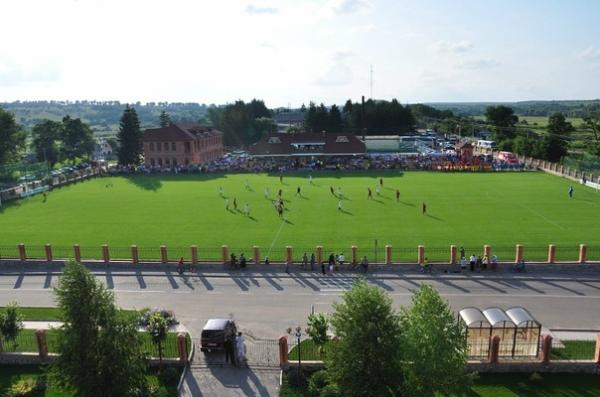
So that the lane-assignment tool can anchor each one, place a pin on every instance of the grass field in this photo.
(466, 209)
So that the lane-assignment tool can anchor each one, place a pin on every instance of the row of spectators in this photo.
(333, 163)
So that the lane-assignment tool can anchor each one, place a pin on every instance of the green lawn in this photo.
(50, 313)
(10, 374)
(513, 385)
(574, 350)
(466, 209)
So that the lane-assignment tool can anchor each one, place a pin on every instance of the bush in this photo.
(331, 390)
(296, 379)
(25, 387)
(317, 383)
(146, 313)
(169, 375)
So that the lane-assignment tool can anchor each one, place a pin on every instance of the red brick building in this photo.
(182, 144)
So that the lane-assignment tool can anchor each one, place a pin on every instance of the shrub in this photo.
(317, 382)
(296, 379)
(331, 390)
(25, 387)
(168, 315)
(169, 375)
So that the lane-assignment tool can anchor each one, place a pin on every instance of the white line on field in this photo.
(276, 237)
(541, 216)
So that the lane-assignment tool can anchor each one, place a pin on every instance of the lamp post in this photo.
(298, 335)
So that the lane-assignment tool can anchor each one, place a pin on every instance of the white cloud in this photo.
(337, 75)
(340, 56)
(454, 47)
(347, 6)
(591, 53)
(253, 9)
(12, 74)
(478, 64)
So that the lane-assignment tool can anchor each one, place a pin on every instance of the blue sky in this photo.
(292, 52)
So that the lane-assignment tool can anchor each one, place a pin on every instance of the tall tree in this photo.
(100, 353)
(11, 323)
(592, 123)
(335, 119)
(434, 347)
(130, 138)
(365, 360)
(77, 139)
(158, 328)
(555, 144)
(47, 141)
(12, 138)
(504, 119)
(164, 119)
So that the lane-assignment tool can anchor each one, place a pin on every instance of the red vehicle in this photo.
(507, 157)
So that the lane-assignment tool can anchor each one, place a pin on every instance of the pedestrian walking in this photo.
(570, 191)
(180, 268)
(240, 344)
(313, 260)
(323, 268)
(479, 263)
(370, 193)
(229, 350)
(397, 195)
(472, 260)
(304, 261)
(424, 208)
(462, 252)
(381, 182)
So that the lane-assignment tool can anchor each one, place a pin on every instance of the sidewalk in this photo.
(57, 324)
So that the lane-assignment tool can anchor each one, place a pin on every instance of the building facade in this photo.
(308, 144)
(182, 144)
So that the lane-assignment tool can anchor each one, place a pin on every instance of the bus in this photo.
(485, 147)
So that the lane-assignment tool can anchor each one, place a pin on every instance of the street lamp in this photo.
(298, 335)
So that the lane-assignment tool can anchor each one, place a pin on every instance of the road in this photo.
(264, 304)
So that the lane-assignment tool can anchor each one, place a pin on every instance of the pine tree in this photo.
(165, 119)
(130, 138)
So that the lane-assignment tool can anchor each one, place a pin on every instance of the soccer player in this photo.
(310, 179)
(381, 182)
(234, 204)
(280, 210)
(280, 193)
(247, 184)
(247, 210)
(370, 194)
(298, 193)
(227, 204)
(221, 191)
(340, 205)
(331, 190)
(397, 195)
(280, 178)
(570, 191)
(378, 190)
(424, 208)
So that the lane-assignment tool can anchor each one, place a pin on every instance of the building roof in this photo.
(307, 144)
(464, 145)
(179, 132)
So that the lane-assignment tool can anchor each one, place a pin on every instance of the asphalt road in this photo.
(265, 304)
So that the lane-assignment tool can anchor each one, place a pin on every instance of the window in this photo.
(274, 139)
(187, 147)
(151, 146)
(152, 162)
(341, 138)
(166, 146)
(158, 147)
(173, 146)
(174, 161)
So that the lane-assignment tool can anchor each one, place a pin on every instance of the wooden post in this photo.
(256, 254)
(283, 352)
(597, 353)
(22, 252)
(163, 254)
(42, 344)
(77, 253)
(48, 249)
(182, 349)
(225, 254)
(354, 254)
(319, 254)
(582, 253)
(194, 249)
(388, 254)
(288, 255)
(551, 253)
(546, 349)
(494, 350)
(453, 254)
(420, 254)
(518, 253)
(135, 258)
(105, 253)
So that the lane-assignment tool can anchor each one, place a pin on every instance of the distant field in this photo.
(541, 121)
(467, 209)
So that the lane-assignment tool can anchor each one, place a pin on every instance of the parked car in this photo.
(215, 332)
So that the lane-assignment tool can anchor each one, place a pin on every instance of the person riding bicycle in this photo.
(180, 268)
(520, 267)
(425, 268)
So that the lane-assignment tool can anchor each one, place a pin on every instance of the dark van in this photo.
(215, 332)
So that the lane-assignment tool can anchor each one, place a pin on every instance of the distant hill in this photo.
(575, 108)
(102, 116)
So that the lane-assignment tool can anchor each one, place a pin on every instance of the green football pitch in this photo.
(466, 209)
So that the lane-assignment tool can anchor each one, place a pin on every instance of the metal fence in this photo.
(375, 254)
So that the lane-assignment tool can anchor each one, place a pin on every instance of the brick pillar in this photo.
(283, 352)
(551, 253)
(319, 254)
(105, 253)
(48, 249)
(453, 254)
(135, 258)
(354, 254)
(194, 249)
(256, 254)
(77, 253)
(388, 254)
(289, 254)
(518, 253)
(597, 353)
(163, 254)
(582, 253)
(225, 254)
(42, 344)
(494, 350)
(22, 253)
(420, 254)
(487, 251)
(546, 348)
(182, 349)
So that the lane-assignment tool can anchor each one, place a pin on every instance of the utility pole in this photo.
(371, 82)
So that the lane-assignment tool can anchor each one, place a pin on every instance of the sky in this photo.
(293, 52)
